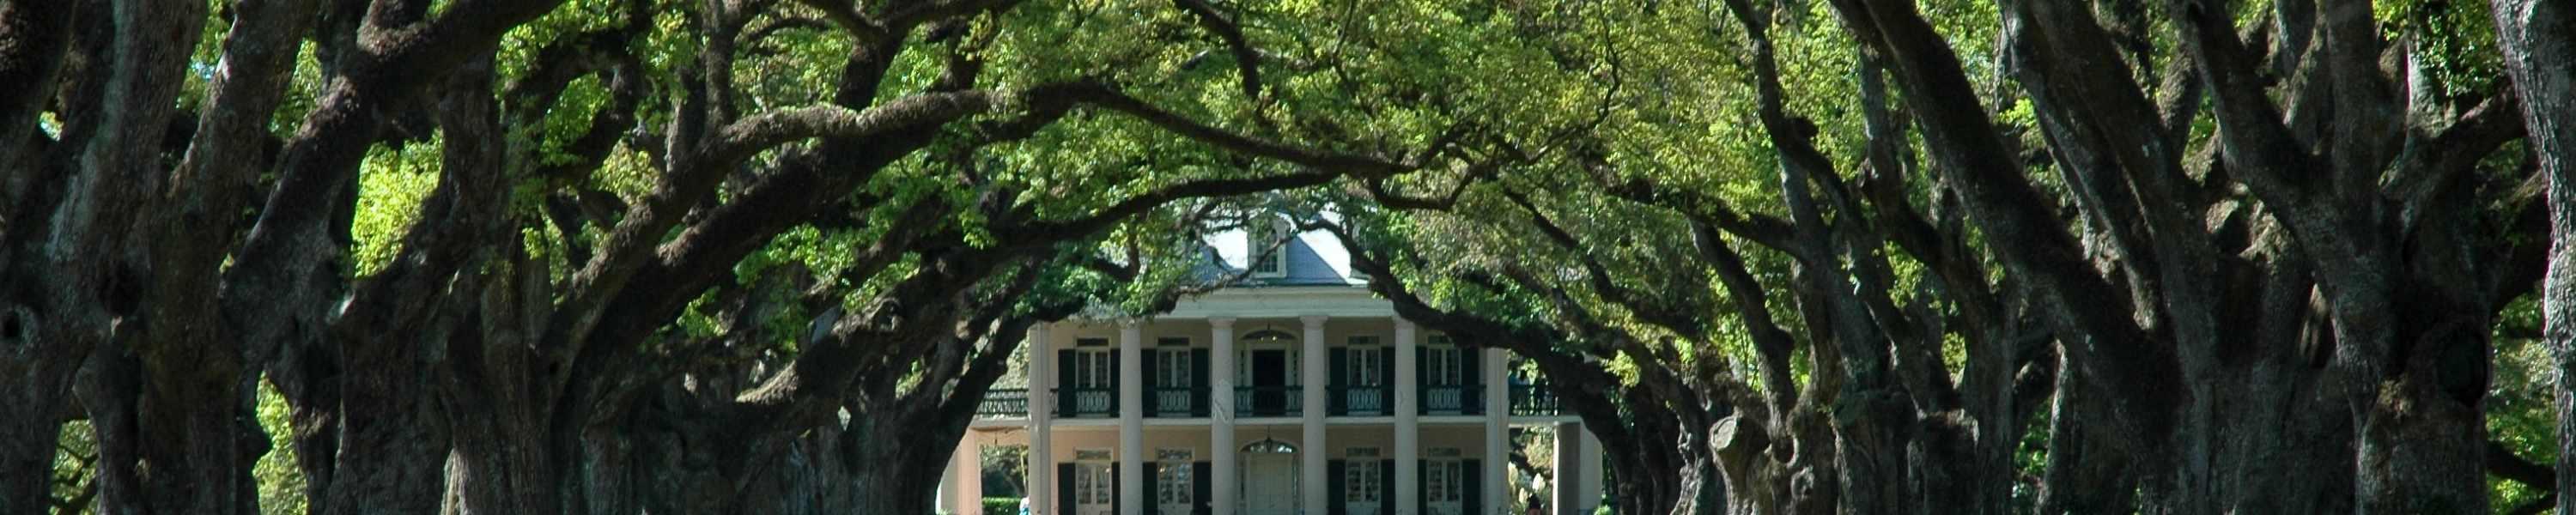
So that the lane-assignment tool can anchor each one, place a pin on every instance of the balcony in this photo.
(1175, 401)
(1452, 400)
(1365, 401)
(1534, 400)
(1086, 402)
(1004, 402)
(1269, 401)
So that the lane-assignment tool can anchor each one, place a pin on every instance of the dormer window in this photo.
(1263, 236)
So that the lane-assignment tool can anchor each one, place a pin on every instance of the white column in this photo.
(966, 490)
(1408, 427)
(1131, 418)
(1041, 491)
(946, 499)
(1221, 417)
(1591, 484)
(1312, 456)
(1498, 427)
(1570, 470)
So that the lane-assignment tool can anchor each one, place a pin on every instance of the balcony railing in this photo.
(1175, 401)
(1269, 401)
(1360, 400)
(1534, 400)
(1452, 400)
(1086, 402)
(1005, 402)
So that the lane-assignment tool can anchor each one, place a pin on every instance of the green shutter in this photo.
(1335, 476)
(1153, 479)
(1064, 488)
(1471, 486)
(1199, 488)
(1386, 379)
(1063, 382)
(1335, 388)
(1473, 369)
(1386, 487)
(1199, 388)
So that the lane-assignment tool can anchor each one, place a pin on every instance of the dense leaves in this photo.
(1867, 256)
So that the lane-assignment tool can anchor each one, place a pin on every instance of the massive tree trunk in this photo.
(2540, 55)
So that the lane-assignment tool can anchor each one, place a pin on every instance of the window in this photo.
(1173, 375)
(1444, 366)
(1091, 484)
(1367, 362)
(1094, 383)
(1172, 369)
(1361, 482)
(1441, 482)
(1094, 369)
(1172, 485)
(1262, 245)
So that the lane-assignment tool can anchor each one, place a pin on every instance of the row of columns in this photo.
(1224, 487)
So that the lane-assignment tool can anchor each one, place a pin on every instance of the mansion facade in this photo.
(1296, 393)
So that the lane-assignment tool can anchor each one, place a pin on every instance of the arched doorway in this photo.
(1269, 478)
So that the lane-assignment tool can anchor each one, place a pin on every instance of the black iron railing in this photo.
(1534, 400)
(1269, 401)
(1359, 400)
(1004, 402)
(1175, 401)
(1452, 400)
(1086, 402)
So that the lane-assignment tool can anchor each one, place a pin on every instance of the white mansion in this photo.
(1324, 403)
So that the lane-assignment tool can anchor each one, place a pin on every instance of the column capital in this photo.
(1403, 324)
(1130, 323)
(1221, 322)
(1315, 320)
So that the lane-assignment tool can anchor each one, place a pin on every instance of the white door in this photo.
(1092, 489)
(1441, 487)
(1173, 489)
(1095, 379)
(1172, 370)
(1362, 485)
(1269, 484)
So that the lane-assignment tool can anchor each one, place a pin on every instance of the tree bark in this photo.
(2541, 58)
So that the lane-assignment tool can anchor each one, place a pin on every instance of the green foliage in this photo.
(391, 185)
(281, 481)
(2454, 41)
(1001, 506)
(2519, 411)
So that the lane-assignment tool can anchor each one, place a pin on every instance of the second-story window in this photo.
(1095, 376)
(1172, 363)
(1443, 363)
(1368, 362)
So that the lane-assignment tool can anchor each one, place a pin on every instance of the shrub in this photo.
(1001, 506)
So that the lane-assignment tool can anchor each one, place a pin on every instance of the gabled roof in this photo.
(1306, 267)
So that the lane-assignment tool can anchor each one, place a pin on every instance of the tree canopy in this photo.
(1835, 256)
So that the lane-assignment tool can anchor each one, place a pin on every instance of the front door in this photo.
(1092, 488)
(1443, 487)
(1173, 488)
(1270, 382)
(1269, 484)
(1362, 485)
